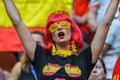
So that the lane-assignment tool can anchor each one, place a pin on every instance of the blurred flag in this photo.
(116, 70)
(34, 14)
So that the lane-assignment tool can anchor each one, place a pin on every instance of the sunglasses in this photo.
(64, 24)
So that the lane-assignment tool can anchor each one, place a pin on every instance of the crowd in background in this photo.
(88, 15)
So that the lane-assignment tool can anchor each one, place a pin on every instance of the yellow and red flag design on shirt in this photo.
(73, 71)
(51, 69)
(34, 14)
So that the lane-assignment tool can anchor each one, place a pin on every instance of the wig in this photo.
(62, 16)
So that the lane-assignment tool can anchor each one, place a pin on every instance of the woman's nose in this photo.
(59, 27)
(94, 71)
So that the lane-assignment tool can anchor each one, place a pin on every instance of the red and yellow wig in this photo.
(60, 16)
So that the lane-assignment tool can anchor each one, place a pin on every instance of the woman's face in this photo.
(60, 31)
(98, 72)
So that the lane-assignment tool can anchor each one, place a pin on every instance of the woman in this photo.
(99, 71)
(61, 59)
(80, 12)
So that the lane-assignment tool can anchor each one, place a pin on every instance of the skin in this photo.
(80, 19)
(16, 71)
(98, 72)
(92, 19)
(30, 46)
(61, 42)
(92, 23)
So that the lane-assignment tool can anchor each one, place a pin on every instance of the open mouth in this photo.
(61, 35)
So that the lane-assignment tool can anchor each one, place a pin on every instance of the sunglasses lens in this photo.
(64, 24)
(53, 27)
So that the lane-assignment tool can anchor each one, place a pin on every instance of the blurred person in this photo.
(99, 71)
(4, 75)
(96, 13)
(97, 10)
(23, 70)
(60, 59)
(79, 15)
(1, 74)
(111, 48)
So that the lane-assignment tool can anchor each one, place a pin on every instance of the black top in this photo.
(50, 67)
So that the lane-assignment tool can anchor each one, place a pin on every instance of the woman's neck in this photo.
(62, 46)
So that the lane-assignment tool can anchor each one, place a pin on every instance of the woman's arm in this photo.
(102, 31)
(24, 34)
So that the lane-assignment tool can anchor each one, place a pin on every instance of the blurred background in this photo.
(34, 14)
